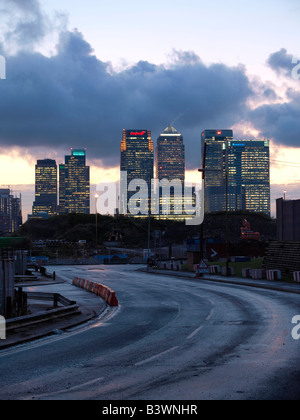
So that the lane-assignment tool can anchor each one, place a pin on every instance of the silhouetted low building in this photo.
(288, 219)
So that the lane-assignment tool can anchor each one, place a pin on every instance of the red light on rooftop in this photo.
(136, 133)
(219, 132)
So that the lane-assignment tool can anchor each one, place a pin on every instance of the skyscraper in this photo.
(170, 157)
(74, 183)
(10, 212)
(249, 168)
(137, 160)
(45, 187)
(237, 171)
(214, 161)
(170, 166)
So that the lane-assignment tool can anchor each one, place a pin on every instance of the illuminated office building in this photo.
(170, 160)
(45, 188)
(170, 165)
(137, 160)
(10, 212)
(239, 167)
(74, 183)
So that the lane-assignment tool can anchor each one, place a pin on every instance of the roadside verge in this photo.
(268, 285)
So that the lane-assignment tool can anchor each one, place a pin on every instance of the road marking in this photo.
(195, 332)
(210, 315)
(201, 326)
(156, 356)
(66, 390)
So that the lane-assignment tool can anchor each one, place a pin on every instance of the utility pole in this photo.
(227, 205)
(96, 213)
(149, 230)
(203, 171)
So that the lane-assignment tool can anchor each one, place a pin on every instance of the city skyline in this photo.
(85, 84)
(28, 196)
(246, 163)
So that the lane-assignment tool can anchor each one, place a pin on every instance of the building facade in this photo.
(74, 183)
(136, 163)
(170, 155)
(45, 188)
(288, 220)
(170, 166)
(10, 212)
(237, 172)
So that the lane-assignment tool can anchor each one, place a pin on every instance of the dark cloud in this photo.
(24, 22)
(279, 121)
(281, 62)
(74, 99)
(270, 94)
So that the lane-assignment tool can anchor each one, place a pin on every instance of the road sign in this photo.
(202, 268)
(146, 254)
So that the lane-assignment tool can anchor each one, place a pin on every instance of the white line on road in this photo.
(66, 390)
(156, 356)
(201, 326)
(210, 315)
(195, 332)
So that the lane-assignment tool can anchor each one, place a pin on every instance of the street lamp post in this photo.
(149, 239)
(227, 209)
(201, 226)
(96, 215)
(203, 171)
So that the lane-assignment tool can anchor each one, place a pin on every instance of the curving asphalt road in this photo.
(170, 339)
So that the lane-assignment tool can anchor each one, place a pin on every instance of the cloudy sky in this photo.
(78, 72)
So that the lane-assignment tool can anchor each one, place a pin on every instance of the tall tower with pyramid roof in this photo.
(170, 155)
(170, 166)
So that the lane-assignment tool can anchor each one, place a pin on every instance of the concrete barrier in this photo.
(112, 300)
(296, 276)
(273, 274)
(246, 273)
(230, 271)
(29, 320)
(214, 269)
(108, 295)
(258, 274)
